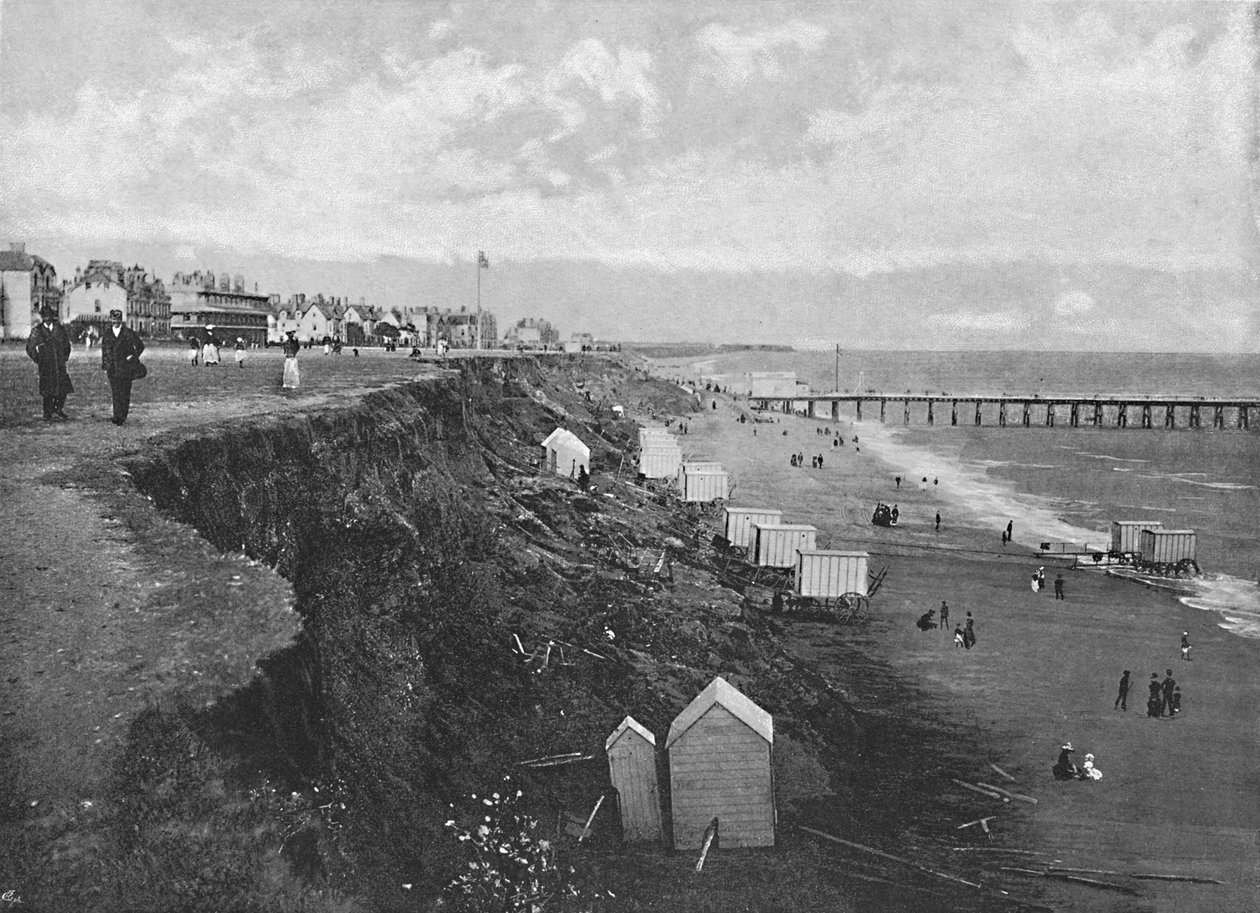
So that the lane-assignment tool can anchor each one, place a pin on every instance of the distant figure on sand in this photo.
(969, 633)
(1010, 530)
(1058, 587)
(291, 347)
(1168, 687)
(1176, 700)
(1063, 768)
(1185, 644)
(1153, 699)
(240, 352)
(1033, 582)
(194, 352)
(944, 614)
(959, 639)
(1122, 696)
(926, 622)
(938, 521)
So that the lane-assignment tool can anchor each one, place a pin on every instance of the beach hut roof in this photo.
(633, 725)
(561, 436)
(720, 691)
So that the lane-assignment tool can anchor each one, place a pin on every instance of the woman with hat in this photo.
(1063, 768)
(49, 347)
(210, 351)
(291, 347)
(240, 352)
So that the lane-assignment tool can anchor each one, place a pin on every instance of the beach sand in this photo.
(1178, 796)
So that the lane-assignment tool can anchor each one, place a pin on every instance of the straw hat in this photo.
(1067, 746)
(1089, 757)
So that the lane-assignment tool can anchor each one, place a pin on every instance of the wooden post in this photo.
(709, 833)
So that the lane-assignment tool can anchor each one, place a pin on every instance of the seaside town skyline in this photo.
(1039, 176)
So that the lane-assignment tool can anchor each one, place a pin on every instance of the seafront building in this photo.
(27, 283)
(106, 285)
(531, 333)
(199, 304)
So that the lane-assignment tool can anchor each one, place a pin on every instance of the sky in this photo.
(883, 174)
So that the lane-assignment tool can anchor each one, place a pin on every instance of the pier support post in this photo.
(1146, 415)
(835, 410)
(1170, 416)
(883, 405)
(810, 405)
(1243, 420)
(1218, 417)
(953, 413)
(1074, 416)
(1122, 416)
(1050, 415)
(1098, 413)
(1027, 416)
(977, 413)
(1194, 416)
(1001, 413)
(907, 415)
(930, 416)
(859, 409)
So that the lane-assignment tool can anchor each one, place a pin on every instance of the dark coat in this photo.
(120, 355)
(50, 349)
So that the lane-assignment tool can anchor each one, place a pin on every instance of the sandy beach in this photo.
(1178, 796)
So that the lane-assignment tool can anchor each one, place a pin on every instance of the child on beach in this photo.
(958, 636)
(1185, 644)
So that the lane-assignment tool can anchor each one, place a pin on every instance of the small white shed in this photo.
(564, 453)
(632, 768)
(719, 767)
(776, 544)
(738, 522)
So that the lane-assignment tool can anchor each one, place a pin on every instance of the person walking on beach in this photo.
(1003, 538)
(291, 348)
(194, 352)
(938, 521)
(240, 352)
(969, 632)
(49, 347)
(120, 360)
(1010, 530)
(1168, 687)
(960, 639)
(1041, 578)
(820, 461)
(1176, 700)
(1058, 587)
(1033, 582)
(1153, 701)
(898, 480)
(1185, 644)
(944, 615)
(1122, 697)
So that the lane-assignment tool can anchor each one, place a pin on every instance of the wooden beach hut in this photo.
(631, 753)
(564, 453)
(719, 767)
(737, 522)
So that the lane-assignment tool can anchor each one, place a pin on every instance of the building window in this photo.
(98, 305)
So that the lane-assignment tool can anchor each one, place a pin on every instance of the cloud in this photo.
(441, 28)
(734, 60)
(1004, 322)
(590, 64)
(1074, 303)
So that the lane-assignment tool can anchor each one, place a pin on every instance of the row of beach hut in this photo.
(661, 458)
(818, 573)
(719, 754)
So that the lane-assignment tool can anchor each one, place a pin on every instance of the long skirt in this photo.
(290, 373)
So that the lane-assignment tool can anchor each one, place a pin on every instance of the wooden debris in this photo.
(1036, 873)
(587, 828)
(1192, 879)
(709, 833)
(980, 821)
(1075, 879)
(984, 792)
(997, 849)
(883, 855)
(997, 789)
(1003, 774)
(555, 760)
(1067, 871)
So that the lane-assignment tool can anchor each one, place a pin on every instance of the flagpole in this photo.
(478, 299)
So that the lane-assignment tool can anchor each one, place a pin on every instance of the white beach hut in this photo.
(564, 453)
(632, 768)
(719, 767)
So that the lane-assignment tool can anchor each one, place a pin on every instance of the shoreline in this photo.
(1042, 672)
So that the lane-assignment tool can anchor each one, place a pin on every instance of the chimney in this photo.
(17, 247)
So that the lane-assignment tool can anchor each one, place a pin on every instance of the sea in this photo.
(1064, 484)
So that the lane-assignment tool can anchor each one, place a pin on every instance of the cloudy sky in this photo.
(879, 174)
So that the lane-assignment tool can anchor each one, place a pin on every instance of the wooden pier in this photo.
(1073, 411)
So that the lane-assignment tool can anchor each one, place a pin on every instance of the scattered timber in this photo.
(984, 792)
(1003, 774)
(1192, 879)
(997, 789)
(587, 828)
(709, 833)
(1075, 879)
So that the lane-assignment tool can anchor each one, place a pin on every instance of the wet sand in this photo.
(1178, 796)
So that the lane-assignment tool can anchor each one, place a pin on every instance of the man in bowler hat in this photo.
(120, 359)
(49, 347)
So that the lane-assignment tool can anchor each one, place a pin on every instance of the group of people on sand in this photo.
(1066, 769)
(964, 634)
(798, 459)
(1163, 699)
(885, 515)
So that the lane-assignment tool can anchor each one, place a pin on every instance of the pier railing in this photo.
(1072, 410)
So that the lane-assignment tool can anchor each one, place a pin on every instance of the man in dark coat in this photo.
(1169, 685)
(1122, 697)
(49, 347)
(120, 359)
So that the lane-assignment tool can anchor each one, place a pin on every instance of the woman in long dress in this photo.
(291, 349)
(210, 351)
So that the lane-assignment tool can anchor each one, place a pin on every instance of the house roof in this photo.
(561, 436)
(723, 693)
(16, 261)
(633, 725)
